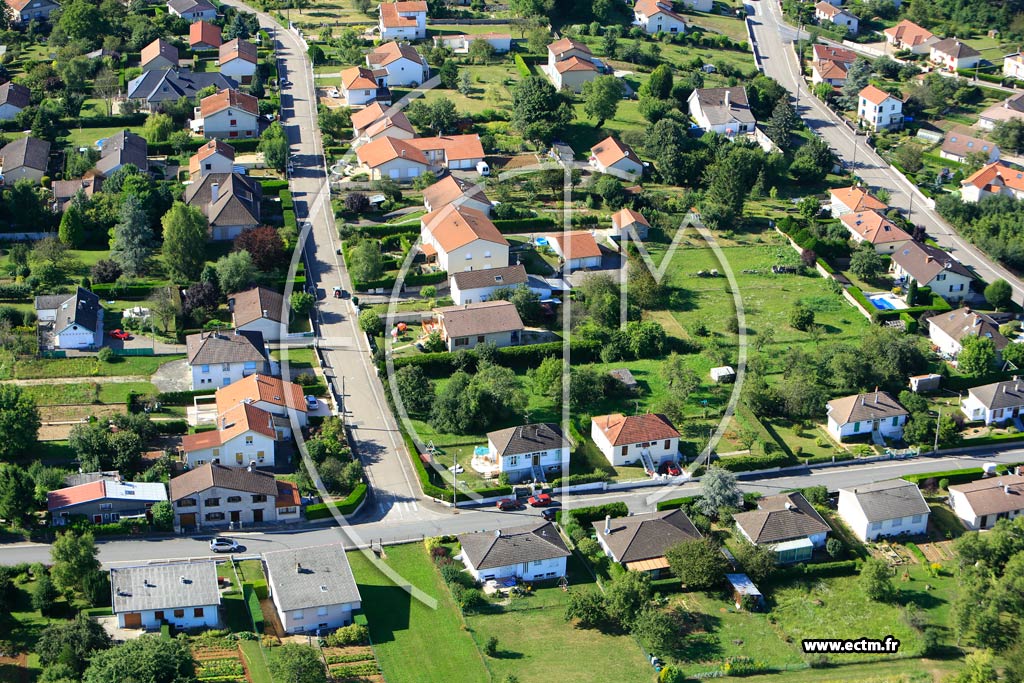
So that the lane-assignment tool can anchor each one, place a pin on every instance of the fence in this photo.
(134, 352)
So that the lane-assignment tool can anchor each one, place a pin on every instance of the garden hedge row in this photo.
(577, 479)
(410, 281)
(595, 513)
(746, 463)
(819, 570)
(116, 291)
(963, 476)
(14, 292)
(516, 225)
(386, 230)
(522, 66)
(172, 427)
(182, 398)
(443, 363)
(346, 506)
(686, 502)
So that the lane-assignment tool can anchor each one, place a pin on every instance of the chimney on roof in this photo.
(789, 505)
(251, 466)
(497, 533)
(214, 192)
(1006, 489)
(727, 98)
(298, 568)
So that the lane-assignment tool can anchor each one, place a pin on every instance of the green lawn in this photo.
(413, 642)
(90, 367)
(62, 394)
(298, 359)
(117, 392)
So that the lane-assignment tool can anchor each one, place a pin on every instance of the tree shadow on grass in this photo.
(387, 610)
(924, 599)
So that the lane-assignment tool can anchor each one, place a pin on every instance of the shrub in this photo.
(491, 646)
(353, 634)
(105, 355)
(944, 483)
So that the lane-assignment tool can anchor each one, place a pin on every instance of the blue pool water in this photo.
(541, 241)
(480, 450)
(882, 304)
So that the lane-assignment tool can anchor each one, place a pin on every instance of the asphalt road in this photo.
(390, 530)
(774, 39)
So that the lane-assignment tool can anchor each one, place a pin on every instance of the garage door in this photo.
(133, 620)
(188, 519)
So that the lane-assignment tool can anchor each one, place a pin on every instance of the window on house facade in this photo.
(212, 502)
(259, 498)
(214, 516)
(205, 368)
(187, 502)
(897, 522)
(321, 611)
(226, 367)
(248, 440)
(197, 612)
(234, 499)
(625, 449)
(216, 452)
(916, 519)
(260, 456)
(876, 526)
(179, 613)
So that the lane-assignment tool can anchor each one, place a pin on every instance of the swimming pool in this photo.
(541, 241)
(883, 304)
(886, 301)
(481, 450)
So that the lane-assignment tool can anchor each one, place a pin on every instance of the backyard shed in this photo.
(924, 383)
(742, 586)
(723, 374)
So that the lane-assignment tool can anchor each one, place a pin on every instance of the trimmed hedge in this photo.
(14, 292)
(595, 513)
(116, 291)
(386, 230)
(346, 506)
(182, 398)
(684, 503)
(819, 570)
(746, 463)
(577, 479)
(522, 66)
(442, 364)
(964, 476)
(516, 225)
(172, 427)
(410, 281)
(428, 476)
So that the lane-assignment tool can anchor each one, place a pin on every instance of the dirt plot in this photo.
(57, 421)
(941, 551)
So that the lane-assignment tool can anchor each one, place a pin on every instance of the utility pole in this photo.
(938, 422)
(455, 482)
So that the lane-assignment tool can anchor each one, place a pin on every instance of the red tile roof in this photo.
(621, 430)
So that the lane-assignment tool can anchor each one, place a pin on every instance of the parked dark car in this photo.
(507, 504)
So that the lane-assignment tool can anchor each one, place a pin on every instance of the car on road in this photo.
(284, 83)
(670, 468)
(549, 514)
(224, 545)
(337, 292)
(541, 500)
(120, 334)
(507, 504)
(312, 403)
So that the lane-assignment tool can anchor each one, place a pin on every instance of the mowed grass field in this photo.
(414, 643)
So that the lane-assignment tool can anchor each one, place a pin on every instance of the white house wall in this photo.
(209, 618)
(236, 452)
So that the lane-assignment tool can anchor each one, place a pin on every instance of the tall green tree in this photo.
(999, 294)
(718, 492)
(73, 224)
(298, 664)
(782, 123)
(659, 83)
(538, 110)
(17, 493)
(364, 261)
(235, 271)
(149, 659)
(185, 230)
(274, 145)
(698, 564)
(132, 241)
(865, 262)
(72, 643)
(74, 558)
(876, 581)
(19, 422)
(158, 128)
(977, 356)
(601, 98)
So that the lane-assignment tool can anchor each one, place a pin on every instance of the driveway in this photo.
(173, 376)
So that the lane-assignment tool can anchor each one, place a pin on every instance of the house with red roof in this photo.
(617, 158)
(461, 238)
(403, 20)
(873, 228)
(103, 501)
(626, 219)
(993, 179)
(228, 114)
(578, 250)
(571, 64)
(202, 36)
(657, 16)
(650, 439)
(879, 110)
(245, 435)
(907, 35)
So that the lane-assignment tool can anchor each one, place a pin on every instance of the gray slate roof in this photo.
(183, 6)
(224, 477)
(892, 499)
(1000, 394)
(527, 439)
(774, 522)
(124, 147)
(955, 48)
(311, 577)
(238, 199)
(27, 151)
(486, 317)
(964, 322)
(924, 262)
(531, 543)
(509, 276)
(14, 94)
(712, 103)
(238, 346)
(876, 405)
(168, 85)
(160, 586)
(81, 308)
(646, 536)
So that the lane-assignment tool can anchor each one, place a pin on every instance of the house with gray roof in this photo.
(786, 523)
(13, 99)
(996, 403)
(529, 553)
(121, 148)
(192, 10)
(949, 329)
(313, 589)
(933, 268)
(213, 495)
(981, 504)
(463, 327)
(216, 359)
(471, 286)
(75, 321)
(182, 594)
(885, 508)
(26, 157)
(866, 415)
(528, 451)
(230, 202)
(725, 111)
(157, 87)
(639, 542)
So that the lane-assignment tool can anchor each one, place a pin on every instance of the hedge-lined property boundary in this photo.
(346, 506)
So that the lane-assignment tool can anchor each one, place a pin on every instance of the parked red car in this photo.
(120, 334)
(507, 504)
(539, 501)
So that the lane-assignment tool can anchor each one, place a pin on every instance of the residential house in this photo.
(471, 286)
(617, 158)
(185, 595)
(227, 114)
(153, 89)
(392, 158)
(463, 327)
(833, 53)
(533, 552)
(528, 451)
(995, 178)
(26, 157)
(230, 202)
(626, 220)
(1013, 66)
(25, 11)
(158, 55)
(996, 403)
(980, 504)
(827, 71)
(361, 86)
(873, 414)
(75, 321)
(934, 268)
(313, 589)
(272, 395)
(722, 110)
(237, 59)
(204, 36)
(947, 331)
(459, 44)
(216, 495)
(451, 152)
(14, 97)
(216, 359)
(639, 542)
(460, 238)
(878, 110)
(192, 10)
(374, 121)
(886, 508)
(698, 5)
(954, 55)
(453, 190)
(958, 147)
(245, 436)
(65, 190)
(122, 148)
(404, 66)
(854, 199)
(657, 16)
(624, 440)
(405, 20)
(260, 310)
(1009, 109)
(103, 501)
(571, 64)
(826, 13)
(875, 229)
(787, 524)
(213, 157)
(906, 35)
(577, 250)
